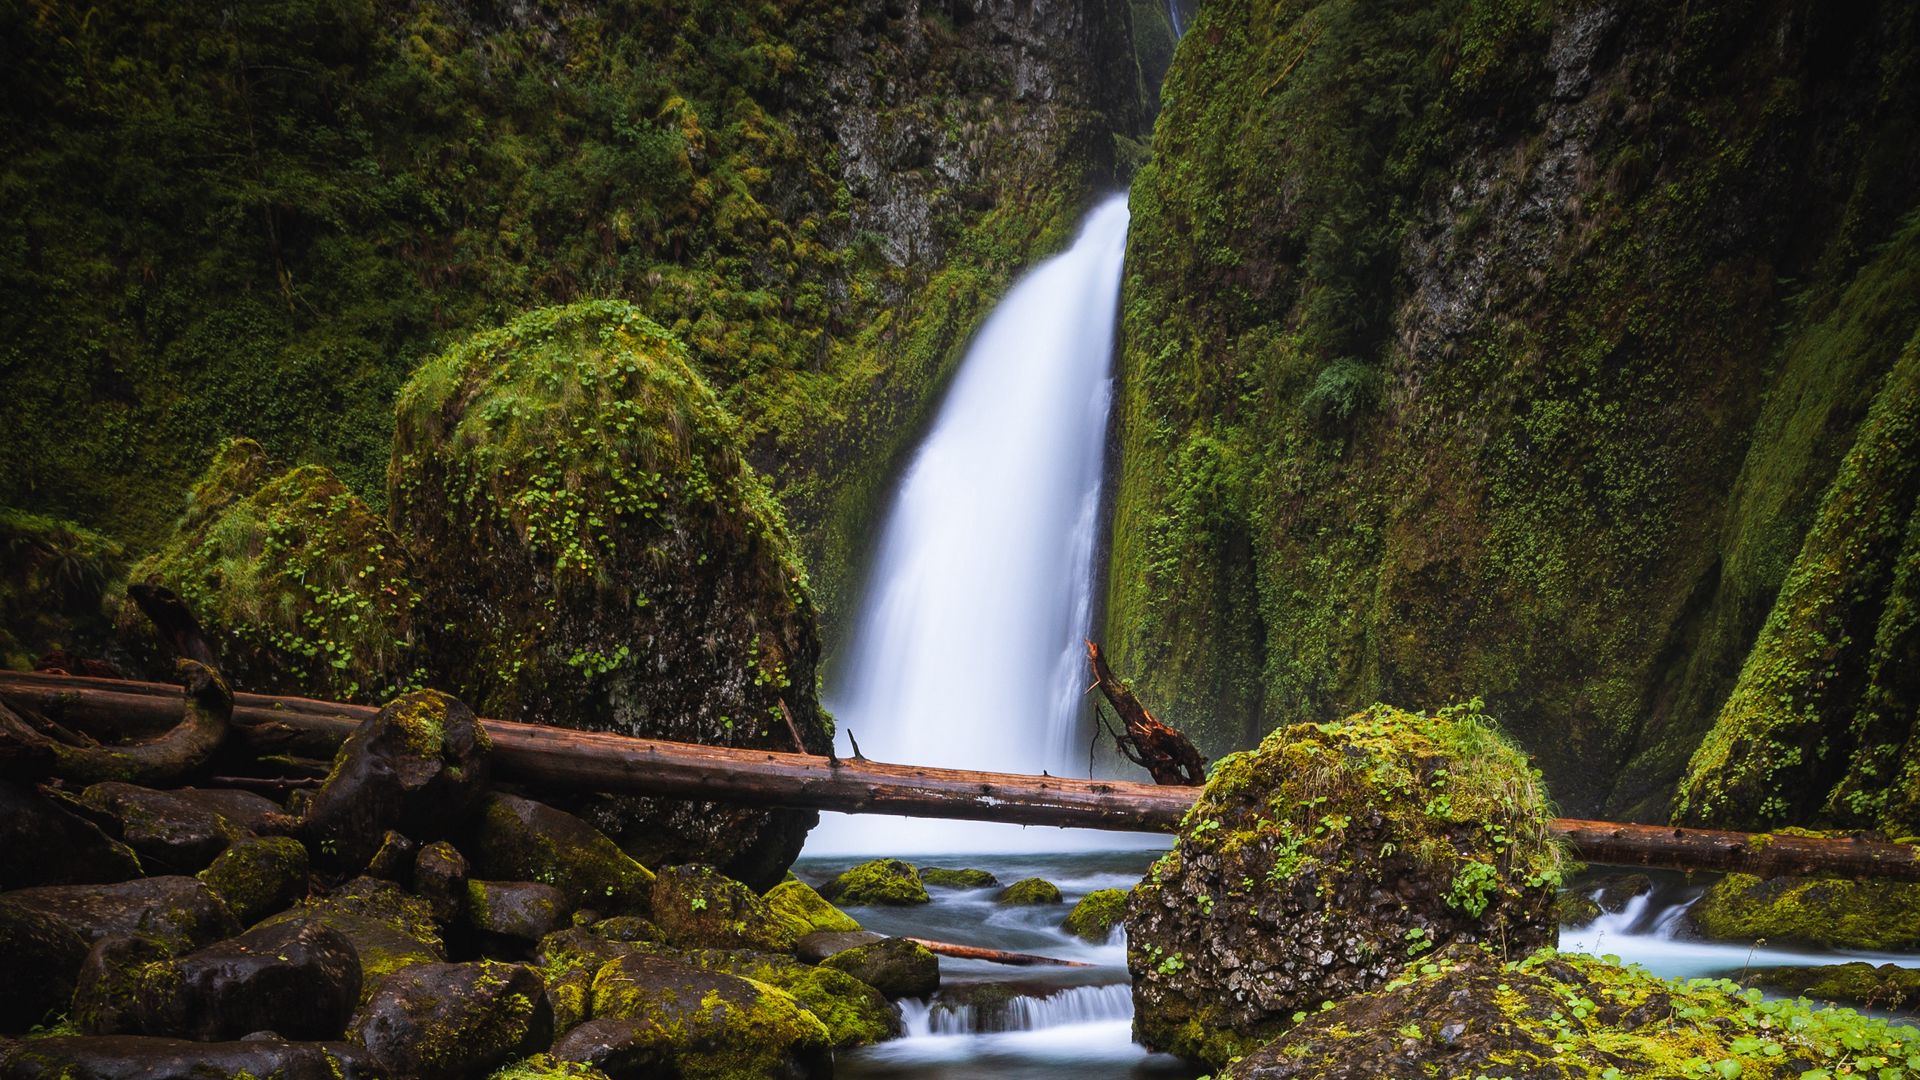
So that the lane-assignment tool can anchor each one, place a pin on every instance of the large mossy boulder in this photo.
(639, 577)
(389, 929)
(1029, 892)
(885, 882)
(1096, 915)
(300, 586)
(516, 839)
(854, 1012)
(697, 907)
(1889, 987)
(1828, 912)
(258, 876)
(139, 1057)
(458, 1021)
(798, 910)
(894, 966)
(1319, 865)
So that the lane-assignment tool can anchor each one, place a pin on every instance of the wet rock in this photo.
(855, 1014)
(515, 839)
(1031, 890)
(389, 929)
(801, 911)
(44, 843)
(1829, 912)
(1889, 987)
(698, 907)
(956, 879)
(1614, 891)
(455, 1020)
(816, 947)
(627, 928)
(171, 833)
(418, 766)
(51, 947)
(682, 614)
(1096, 915)
(519, 911)
(298, 980)
(440, 877)
(133, 1057)
(393, 859)
(250, 811)
(568, 960)
(1574, 908)
(894, 966)
(1319, 865)
(657, 1017)
(258, 876)
(879, 881)
(547, 1067)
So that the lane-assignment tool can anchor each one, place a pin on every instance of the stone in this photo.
(459, 1021)
(816, 947)
(639, 575)
(1888, 988)
(297, 980)
(440, 875)
(393, 859)
(699, 907)
(800, 911)
(1319, 865)
(855, 1014)
(568, 960)
(626, 928)
(1097, 915)
(134, 1057)
(894, 966)
(418, 766)
(1833, 913)
(45, 843)
(547, 1067)
(171, 833)
(516, 839)
(390, 930)
(877, 881)
(1029, 891)
(658, 1017)
(519, 911)
(250, 811)
(258, 876)
(945, 878)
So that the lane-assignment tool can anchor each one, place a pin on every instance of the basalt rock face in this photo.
(1531, 389)
(639, 577)
(1322, 864)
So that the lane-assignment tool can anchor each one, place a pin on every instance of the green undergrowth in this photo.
(54, 572)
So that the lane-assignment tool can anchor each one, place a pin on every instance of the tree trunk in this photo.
(1154, 746)
(196, 732)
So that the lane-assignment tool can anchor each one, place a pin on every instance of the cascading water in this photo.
(967, 651)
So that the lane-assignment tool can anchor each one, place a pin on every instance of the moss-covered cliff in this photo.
(1504, 347)
(256, 219)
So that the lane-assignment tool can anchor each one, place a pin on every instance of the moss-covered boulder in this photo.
(1319, 865)
(547, 1067)
(1888, 988)
(516, 839)
(798, 910)
(459, 1021)
(878, 881)
(948, 878)
(894, 966)
(440, 875)
(258, 876)
(1574, 908)
(299, 584)
(1097, 914)
(697, 907)
(1568, 1017)
(660, 1017)
(416, 766)
(43, 842)
(639, 577)
(172, 834)
(568, 960)
(390, 929)
(855, 1013)
(1830, 912)
(516, 914)
(137, 1057)
(1029, 891)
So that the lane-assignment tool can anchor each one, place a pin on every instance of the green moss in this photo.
(515, 839)
(1097, 915)
(545, 1067)
(877, 881)
(257, 877)
(800, 911)
(698, 907)
(1889, 987)
(1829, 912)
(956, 879)
(1031, 890)
(55, 573)
(854, 1013)
(711, 1027)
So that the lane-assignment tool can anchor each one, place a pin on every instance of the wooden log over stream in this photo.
(595, 761)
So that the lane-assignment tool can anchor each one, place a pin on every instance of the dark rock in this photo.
(1889, 987)
(686, 603)
(894, 966)
(44, 843)
(956, 879)
(515, 839)
(455, 1020)
(250, 811)
(569, 959)
(657, 1017)
(522, 911)
(390, 930)
(171, 833)
(440, 877)
(50, 947)
(878, 881)
(816, 947)
(418, 766)
(1031, 890)
(393, 859)
(259, 876)
(1573, 908)
(133, 1057)
(299, 980)
(627, 928)
(698, 907)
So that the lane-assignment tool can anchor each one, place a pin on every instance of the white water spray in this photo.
(967, 652)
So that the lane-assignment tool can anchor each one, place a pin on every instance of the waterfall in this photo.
(967, 649)
(1026, 1012)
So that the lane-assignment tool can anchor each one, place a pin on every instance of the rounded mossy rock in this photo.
(1828, 912)
(1096, 915)
(699, 907)
(459, 1021)
(1027, 891)
(1322, 863)
(855, 1013)
(516, 839)
(800, 911)
(1889, 987)
(894, 966)
(877, 881)
(638, 574)
(390, 929)
(546, 1067)
(258, 876)
(298, 584)
(1555, 1016)
(946, 878)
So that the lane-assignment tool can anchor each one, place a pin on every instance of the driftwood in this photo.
(597, 761)
(49, 748)
(1154, 746)
(993, 956)
(174, 622)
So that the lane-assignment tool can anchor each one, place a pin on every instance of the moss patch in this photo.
(878, 881)
(1828, 912)
(1031, 890)
(1097, 914)
(800, 911)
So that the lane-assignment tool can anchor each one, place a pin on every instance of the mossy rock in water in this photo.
(878, 881)
(259, 876)
(697, 907)
(956, 879)
(1829, 912)
(1031, 890)
(1573, 908)
(1567, 1017)
(855, 1013)
(639, 577)
(1095, 916)
(1320, 864)
(516, 839)
(798, 910)
(301, 586)
(894, 966)
(1889, 987)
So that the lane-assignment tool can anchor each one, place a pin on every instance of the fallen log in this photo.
(1164, 751)
(597, 761)
(198, 729)
(993, 956)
